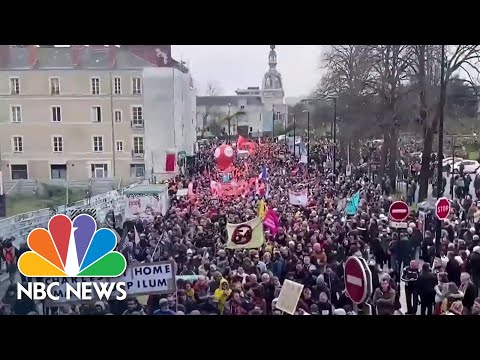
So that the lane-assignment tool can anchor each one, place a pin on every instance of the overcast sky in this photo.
(238, 66)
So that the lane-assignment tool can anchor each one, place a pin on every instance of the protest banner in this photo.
(247, 235)
(289, 296)
(298, 198)
(182, 192)
(61, 290)
(151, 278)
(145, 201)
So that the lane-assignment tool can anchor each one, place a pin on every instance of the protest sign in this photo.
(299, 198)
(152, 278)
(289, 296)
(61, 290)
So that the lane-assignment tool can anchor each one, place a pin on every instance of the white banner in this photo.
(153, 278)
(299, 198)
(145, 206)
(61, 291)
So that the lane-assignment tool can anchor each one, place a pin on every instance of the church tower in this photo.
(272, 86)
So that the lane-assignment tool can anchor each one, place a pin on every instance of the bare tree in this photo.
(349, 78)
(427, 71)
(213, 89)
(390, 68)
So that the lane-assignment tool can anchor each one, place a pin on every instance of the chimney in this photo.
(112, 55)
(4, 56)
(32, 55)
(76, 54)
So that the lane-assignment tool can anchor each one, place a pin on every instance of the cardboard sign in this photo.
(289, 296)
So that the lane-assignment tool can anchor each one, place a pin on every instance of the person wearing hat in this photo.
(164, 310)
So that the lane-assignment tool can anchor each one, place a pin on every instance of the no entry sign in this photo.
(398, 211)
(358, 279)
(442, 208)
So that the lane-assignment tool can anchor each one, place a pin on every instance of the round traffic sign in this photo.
(442, 208)
(398, 211)
(356, 279)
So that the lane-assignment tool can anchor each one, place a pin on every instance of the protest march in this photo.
(255, 228)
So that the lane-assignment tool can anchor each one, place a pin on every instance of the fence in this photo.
(19, 226)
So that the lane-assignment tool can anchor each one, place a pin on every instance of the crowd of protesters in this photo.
(310, 247)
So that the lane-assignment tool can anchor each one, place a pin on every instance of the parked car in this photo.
(449, 161)
(470, 166)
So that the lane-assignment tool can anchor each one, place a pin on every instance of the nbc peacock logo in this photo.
(71, 250)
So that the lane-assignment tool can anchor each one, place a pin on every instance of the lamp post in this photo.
(308, 137)
(229, 105)
(273, 123)
(334, 136)
(443, 88)
(294, 138)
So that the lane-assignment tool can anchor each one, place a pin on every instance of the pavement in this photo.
(401, 187)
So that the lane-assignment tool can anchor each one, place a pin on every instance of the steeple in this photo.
(272, 58)
(272, 79)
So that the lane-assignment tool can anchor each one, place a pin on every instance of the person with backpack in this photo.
(10, 256)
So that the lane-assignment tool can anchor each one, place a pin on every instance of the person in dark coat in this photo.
(474, 265)
(453, 268)
(410, 276)
(470, 291)
(426, 289)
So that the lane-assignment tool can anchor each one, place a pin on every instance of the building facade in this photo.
(259, 109)
(76, 112)
(171, 130)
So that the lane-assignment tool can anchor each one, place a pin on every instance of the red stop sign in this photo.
(442, 208)
(398, 211)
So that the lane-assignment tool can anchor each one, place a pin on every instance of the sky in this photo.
(232, 67)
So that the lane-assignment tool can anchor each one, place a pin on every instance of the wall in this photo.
(169, 107)
(20, 225)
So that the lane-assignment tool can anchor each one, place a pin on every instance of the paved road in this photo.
(402, 188)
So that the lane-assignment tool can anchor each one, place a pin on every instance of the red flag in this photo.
(170, 162)
(240, 142)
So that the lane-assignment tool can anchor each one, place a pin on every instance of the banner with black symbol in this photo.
(247, 235)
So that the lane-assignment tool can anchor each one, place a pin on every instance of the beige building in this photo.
(74, 113)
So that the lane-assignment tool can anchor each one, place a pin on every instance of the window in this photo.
(95, 83)
(14, 86)
(118, 116)
(137, 116)
(98, 143)
(58, 172)
(19, 172)
(54, 86)
(117, 86)
(17, 143)
(16, 114)
(99, 170)
(242, 107)
(96, 114)
(137, 170)
(136, 86)
(56, 114)
(119, 145)
(138, 145)
(57, 144)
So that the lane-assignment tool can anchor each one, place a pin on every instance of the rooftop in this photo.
(46, 57)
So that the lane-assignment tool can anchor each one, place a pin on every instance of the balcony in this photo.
(139, 154)
(137, 124)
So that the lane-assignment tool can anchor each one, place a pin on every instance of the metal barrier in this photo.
(19, 226)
